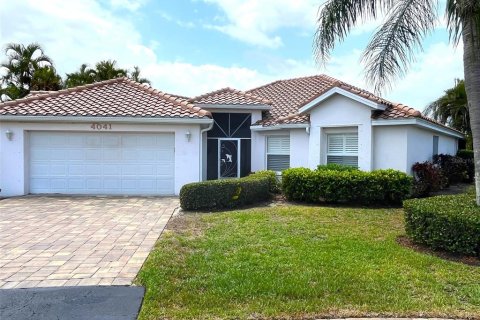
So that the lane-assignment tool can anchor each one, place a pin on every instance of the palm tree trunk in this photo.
(471, 65)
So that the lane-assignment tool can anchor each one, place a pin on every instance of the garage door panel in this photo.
(101, 163)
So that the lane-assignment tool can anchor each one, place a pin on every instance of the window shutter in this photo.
(278, 153)
(278, 145)
(343, 149)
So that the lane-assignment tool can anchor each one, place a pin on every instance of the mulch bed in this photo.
(469, 260)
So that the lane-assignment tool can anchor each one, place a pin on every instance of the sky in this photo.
(191, 47)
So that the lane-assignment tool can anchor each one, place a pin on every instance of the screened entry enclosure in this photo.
(229, 146)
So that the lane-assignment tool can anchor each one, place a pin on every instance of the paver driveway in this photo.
(69, 241)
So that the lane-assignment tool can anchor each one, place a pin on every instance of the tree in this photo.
(135, 76)
(394, 44)
(83, 76)
(452, 109)
(46, 79)
(107, 69)
(22, 62)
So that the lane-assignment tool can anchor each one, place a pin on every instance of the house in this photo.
(121, 137)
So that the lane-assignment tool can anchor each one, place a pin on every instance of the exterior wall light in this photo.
(188, 135)
(9, 134)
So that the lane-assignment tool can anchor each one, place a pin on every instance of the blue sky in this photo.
(193, 46)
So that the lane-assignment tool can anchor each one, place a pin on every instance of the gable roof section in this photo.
(119, 97)
(289, 96)
(229, 96)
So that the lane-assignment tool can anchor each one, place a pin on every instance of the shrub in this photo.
(227, 193)
(272, 178)
(449, 223)
(354, 186)
(336, 167)
(465, 154)
(428, 178)
(454, 169)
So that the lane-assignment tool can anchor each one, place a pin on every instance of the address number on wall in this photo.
(101, 126)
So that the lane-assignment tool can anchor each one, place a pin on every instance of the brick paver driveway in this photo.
(69, 241)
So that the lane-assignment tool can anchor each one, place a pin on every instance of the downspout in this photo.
(210, 126)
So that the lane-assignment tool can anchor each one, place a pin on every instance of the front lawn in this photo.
(300, 262)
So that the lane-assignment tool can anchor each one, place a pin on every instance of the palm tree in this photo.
(135, 76)
(46, 79)
(452, 109)
(22, 61)
(395, 43)
(107, 69)
(83, 76)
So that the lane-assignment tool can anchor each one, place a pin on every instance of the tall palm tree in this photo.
(107, 69)
(22, 61)
(452, 109)
(83, 76)
(395, 43)
(135, 76)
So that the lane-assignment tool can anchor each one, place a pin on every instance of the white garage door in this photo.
(102, 163)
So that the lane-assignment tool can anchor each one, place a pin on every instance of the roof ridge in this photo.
(171, 98)
(289, 79)
(225, 89)
(59, 92)
(209, 93)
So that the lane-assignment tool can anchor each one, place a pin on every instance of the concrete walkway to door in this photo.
(70, 241)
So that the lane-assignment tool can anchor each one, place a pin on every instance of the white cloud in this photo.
(131, 5)
(256, 21)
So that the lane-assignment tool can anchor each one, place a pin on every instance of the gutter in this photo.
(421, 123)
(185, 120)
(281, 126)
(210, 126)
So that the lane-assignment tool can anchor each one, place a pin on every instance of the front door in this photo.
(228, 154)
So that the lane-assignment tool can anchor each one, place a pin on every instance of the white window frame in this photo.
(344, 152)
(267, 153)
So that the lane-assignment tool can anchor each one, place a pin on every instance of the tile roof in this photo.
(288, 96)
(119, 97)
(231, 97)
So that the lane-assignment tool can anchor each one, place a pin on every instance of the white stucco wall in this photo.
(390, 147)
(334, 113)
(420, 145)
(14, 156)
(399, 147)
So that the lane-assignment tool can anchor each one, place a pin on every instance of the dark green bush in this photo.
(227, 193)
(336, 167)
(465, 154)
(450, 223)
(272, 178)
(380, 186)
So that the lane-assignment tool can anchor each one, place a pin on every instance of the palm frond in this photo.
(392, 48)
(337, 17)
(457, 11)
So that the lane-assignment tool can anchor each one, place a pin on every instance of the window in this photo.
(343, 149)
(435, 145)
(278, 153)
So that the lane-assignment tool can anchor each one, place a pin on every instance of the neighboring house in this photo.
(121, 137)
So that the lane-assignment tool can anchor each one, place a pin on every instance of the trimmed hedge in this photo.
(228, 193)
(450, 223)
(354, 186)
(336, 167)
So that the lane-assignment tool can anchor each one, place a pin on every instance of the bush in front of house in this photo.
(450, 223)
(336, 167)
(427, 178)
(346, 186)
(228, 193)
(467, 156)
(453, 168)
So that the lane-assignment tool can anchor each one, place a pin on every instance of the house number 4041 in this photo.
(101, 126)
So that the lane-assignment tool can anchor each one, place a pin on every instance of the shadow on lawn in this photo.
(468, 260)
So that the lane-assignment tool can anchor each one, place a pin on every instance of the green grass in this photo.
(300, 262)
